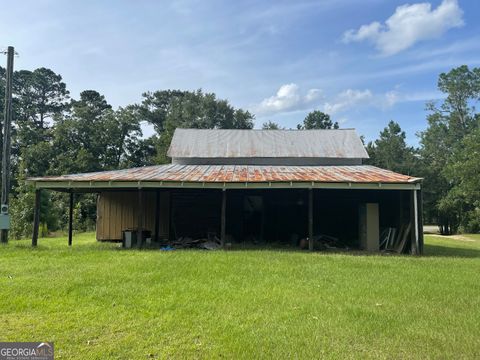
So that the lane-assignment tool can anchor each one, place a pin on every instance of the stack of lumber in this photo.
(395, 240)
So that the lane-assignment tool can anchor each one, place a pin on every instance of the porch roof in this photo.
(233, 176)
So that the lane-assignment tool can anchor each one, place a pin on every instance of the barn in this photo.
(273, 187)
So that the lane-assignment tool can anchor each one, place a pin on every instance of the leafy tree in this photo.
(390, 151)
(270, 125)
(317, 120)
(171, 109)
(39, 96)
(79, 137)
(463, 171)
(142, 154)
(448, 125)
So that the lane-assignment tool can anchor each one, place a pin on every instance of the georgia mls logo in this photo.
(44, 349)
(26, 351)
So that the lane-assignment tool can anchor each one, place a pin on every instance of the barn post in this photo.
(170, 216)
(310, 219)
(420, 221)
(157, 215)
(414, 222)
(139, 218)
(36, 217)
(70, 220)
(223, 217)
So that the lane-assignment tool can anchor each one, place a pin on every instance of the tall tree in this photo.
(317, 120)
(463, 170)
(93, 137)
(171, 109)
(448, 125)
(390, 150)
(40, 95)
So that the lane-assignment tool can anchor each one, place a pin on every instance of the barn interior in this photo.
(257, 217)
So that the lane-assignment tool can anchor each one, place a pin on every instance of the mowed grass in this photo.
(96, 301)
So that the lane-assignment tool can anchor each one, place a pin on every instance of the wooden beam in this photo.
(420, 221)
(70, 220)
(223, 220)
(310, 219)
(140, 218)
(413, 223)
(157, 215)
(36, 217)
(170, 216)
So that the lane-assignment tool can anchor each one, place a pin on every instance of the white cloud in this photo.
(408, 25)
(347, 99)
(352, 98)
(391, 98)
(312, 94)
(288, 98)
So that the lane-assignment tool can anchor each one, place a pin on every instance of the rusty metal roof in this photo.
(239, 174)
(223, 143)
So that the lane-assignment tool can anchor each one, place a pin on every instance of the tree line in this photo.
(53, 134)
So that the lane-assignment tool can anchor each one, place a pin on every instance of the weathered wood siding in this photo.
(117, 211)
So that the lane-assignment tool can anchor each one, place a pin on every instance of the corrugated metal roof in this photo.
(240, 173)
(223, 143)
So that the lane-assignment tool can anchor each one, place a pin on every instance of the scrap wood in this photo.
(202, 243)
(322, 242)
(401, 245)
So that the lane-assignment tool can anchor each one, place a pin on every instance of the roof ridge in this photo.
(196, 129)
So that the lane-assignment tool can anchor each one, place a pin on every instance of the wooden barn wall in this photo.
(118, 210)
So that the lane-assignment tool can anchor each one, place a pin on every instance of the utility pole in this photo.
(7, 122)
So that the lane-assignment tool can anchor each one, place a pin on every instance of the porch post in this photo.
(420, 221)
(139, 218)
(310, 219)
(36, 217)
(414, 221)
(223, 217)
(70, 220)
(157, 215)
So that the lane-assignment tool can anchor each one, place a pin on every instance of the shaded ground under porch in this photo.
(242, 218)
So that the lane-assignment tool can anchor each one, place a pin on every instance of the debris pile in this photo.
(323, 242)
(185, 242)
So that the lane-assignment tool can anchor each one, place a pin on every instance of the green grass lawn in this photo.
(96, 301)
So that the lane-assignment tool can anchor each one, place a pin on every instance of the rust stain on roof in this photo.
(242, 173)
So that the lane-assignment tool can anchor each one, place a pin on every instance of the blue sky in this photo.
(364, 62)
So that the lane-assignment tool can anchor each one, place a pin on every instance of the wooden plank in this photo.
(114, 220)
(310, 219)
(223, 219)
(36, 217)
(107, 216)
(99, 224)
(70, 220)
